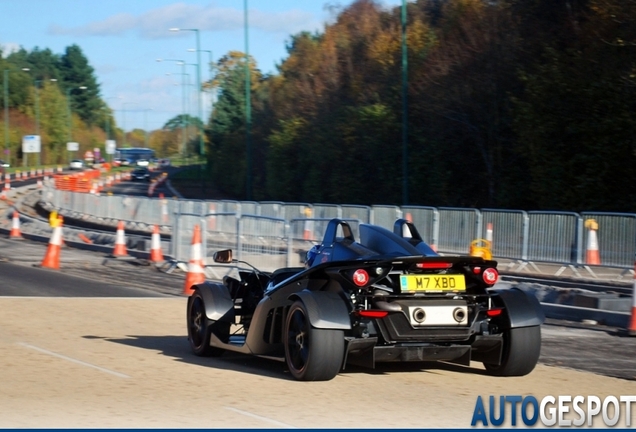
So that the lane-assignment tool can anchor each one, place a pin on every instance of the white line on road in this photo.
(249, 414)
(79, 362)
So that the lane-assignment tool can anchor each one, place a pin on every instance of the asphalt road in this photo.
(102, 343)
(20, 280)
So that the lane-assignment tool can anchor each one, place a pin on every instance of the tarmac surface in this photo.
(102, 343)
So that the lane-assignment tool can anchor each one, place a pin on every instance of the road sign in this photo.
(31, 144)
(72, 146)
(110, 146)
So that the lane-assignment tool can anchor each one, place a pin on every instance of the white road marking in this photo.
(79, 362)
(249, 414)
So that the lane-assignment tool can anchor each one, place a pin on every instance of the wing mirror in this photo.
(223, 256)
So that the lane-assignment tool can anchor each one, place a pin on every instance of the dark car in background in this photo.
(141, 173)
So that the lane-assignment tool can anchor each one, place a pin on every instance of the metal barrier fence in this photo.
(282, 228)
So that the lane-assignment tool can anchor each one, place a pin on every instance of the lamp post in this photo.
(70, 119)
(248, 110)
(6, 112)
(37, 115)
(211, 70)
(405, 164)
(184, 122)
(107, 125)
(175, 29)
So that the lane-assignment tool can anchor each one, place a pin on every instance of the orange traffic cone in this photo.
(489, 232)
(592, 256)
(15, 227)
(52, 257)
(120, 241)
(156, 255)
(195, 274)
(308, 232)
(631, 330)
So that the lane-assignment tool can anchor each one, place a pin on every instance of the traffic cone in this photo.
(15, 227)
(156, 255)
(309, 225)
(631, 330)
(120, 241)
(52, 257)
(489, 232)
(592, 256)
(195, 274)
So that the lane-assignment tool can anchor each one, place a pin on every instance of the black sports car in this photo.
(385, 298)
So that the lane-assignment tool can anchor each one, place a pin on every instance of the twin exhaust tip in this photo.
(419, 316)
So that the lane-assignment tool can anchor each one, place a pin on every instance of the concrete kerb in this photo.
(577, 313)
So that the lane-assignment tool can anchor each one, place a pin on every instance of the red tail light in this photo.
(360, 277)
(434, 265)
(490, 276)
(372, 313)
(491, 313)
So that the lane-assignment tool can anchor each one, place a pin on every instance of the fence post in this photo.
(239, 235)
(526, 237)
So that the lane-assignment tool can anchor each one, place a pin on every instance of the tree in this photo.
(77, 72)
(227, 133)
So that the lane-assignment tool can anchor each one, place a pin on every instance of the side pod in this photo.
(523, 309)
(218, 303)
(326, 310)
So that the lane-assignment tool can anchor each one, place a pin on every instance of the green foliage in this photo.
(517, 104)
(76, 72)
(512, 104)
(44, 85)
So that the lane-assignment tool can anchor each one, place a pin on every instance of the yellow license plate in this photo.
(432, 283)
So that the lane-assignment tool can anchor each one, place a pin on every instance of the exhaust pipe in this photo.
(459, 314)
(419, 315)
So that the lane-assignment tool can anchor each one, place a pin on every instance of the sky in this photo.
(122, 40)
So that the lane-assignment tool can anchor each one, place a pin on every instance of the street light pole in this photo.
(199, 126)
(70, 118)
(6, 114)
(405, 167)
(107, 128)
(248, 110)
(184, 121)
(211, 70)
(37, 115)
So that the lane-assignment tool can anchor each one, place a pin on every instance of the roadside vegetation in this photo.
(511, 104)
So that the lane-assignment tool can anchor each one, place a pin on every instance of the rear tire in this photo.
(521, 350)
(311, 354)
(200, 328)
